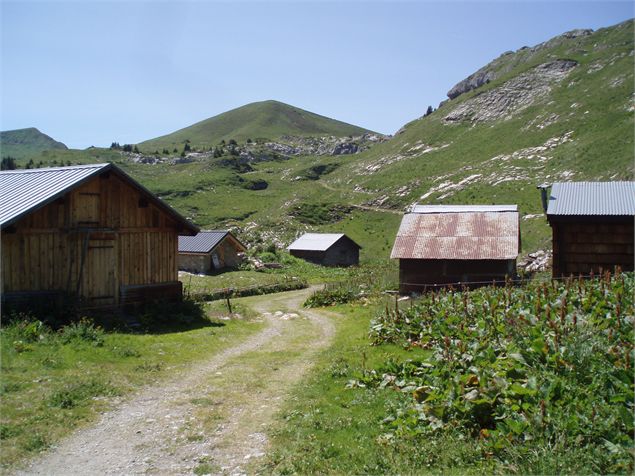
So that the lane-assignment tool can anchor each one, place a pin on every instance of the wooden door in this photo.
(100, 275)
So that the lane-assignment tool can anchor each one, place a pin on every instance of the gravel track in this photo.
(164, 429)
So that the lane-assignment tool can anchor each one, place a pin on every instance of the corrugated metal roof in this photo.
(592, 198)
(316, 241)
(458, 235)
(204, 242)
(463, 208)
(22, 191)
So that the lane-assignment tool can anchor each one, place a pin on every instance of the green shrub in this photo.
(25, 328)
(83, 330)
(330, 296)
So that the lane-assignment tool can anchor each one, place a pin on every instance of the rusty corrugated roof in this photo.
(458, 235)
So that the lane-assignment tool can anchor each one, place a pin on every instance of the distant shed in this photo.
(593, 226)
(209, 250)
(329, 249)
(450, 244)
(88, 231)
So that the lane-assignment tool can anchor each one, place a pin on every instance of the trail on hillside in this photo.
(213, 417)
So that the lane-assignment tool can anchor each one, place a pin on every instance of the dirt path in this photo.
(212, 419)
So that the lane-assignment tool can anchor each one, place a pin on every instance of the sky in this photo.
(88, 73)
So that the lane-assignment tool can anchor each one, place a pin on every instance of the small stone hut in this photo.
(593, 226)
(439, 245)
(89, 232)
(210, 250)
(328, 249)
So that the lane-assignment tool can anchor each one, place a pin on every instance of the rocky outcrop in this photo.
(510, 60)
(536, 262)
(512, 96)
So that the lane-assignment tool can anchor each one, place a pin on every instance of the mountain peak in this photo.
(27, 142)
(268, 119)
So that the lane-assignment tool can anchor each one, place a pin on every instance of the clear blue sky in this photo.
(89, 73)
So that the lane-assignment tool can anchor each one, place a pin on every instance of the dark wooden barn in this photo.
(89, 232)
(329, 249)
(210, 250)
(439, 245)
(593, 226)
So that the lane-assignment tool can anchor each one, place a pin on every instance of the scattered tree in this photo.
(136, 149)
(127, 147)
(187, 147)
(8, 163)
(232, 142)
(428, 111)
(115, 146)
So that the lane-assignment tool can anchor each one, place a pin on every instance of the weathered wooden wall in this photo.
(585, 244)
(416, 275)
(97, 239)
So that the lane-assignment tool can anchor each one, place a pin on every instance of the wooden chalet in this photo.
(440, 245)
(210, 250)
(593, 226)
(328, 249)
(89, 232)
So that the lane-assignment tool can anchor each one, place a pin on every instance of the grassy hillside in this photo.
(560, 111)
(22, 143)
(266, 119)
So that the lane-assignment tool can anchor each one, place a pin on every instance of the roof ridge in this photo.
(56, 169)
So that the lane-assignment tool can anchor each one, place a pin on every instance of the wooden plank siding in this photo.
(584, 244)
(96, 239)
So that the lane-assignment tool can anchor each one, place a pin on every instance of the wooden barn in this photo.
(439, 245)
(329, 249)
(210, 250)
(593, 226)
(89, 232)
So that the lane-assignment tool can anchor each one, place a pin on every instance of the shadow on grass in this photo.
(161, 318)
(154, 318)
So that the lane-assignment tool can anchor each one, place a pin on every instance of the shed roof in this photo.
(475, 235)
(592, 198)
(205, 241)
(24, 191)
(318, 241)
(463, 208)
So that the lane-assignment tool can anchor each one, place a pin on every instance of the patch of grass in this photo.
(206, 468)
(319, 213)
(78, 393)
